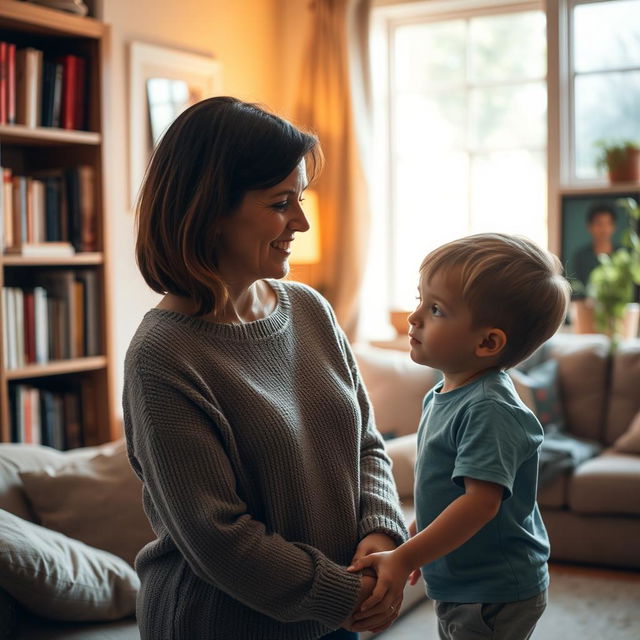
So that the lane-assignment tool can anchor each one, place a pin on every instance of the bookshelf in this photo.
(55, 354)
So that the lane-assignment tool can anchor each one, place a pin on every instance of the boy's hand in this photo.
(414, 576)
(392, 575)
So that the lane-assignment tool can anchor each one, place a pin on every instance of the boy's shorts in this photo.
(490, 621)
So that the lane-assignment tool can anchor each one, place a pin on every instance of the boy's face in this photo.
(441, 331)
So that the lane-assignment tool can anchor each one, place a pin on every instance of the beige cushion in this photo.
(584, 397)
(54, 576)
(403, 452)
(629, 441)
(554, 494)
(396, 387)
(624, 397)
(97, 500)
(608, 484)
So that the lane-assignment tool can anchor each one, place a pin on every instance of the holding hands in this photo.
(374, 612)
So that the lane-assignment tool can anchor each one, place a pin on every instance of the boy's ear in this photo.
(493, 341)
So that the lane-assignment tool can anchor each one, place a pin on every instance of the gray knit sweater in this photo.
(262, 470)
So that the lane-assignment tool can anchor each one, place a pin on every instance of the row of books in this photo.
(53, 417)
(49, 213)
(55, 319)
(42, 89)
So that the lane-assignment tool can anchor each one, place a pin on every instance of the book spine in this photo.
(11, 83)
(3, 82)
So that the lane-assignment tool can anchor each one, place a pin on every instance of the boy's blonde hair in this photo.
(509, 283)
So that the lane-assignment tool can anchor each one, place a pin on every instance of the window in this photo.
(604, 68)
(460, 118)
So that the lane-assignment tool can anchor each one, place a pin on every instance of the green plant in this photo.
(613, 154)
(611, 283)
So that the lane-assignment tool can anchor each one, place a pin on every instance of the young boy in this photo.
(486, 302)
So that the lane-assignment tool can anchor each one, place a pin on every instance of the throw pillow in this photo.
(396, 387)
(538, 389)
(97, 500)
(629, 441)
(56, 577)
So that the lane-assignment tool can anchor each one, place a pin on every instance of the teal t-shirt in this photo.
(483, 431)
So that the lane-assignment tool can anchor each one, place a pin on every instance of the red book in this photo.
(79, 116)
(29, 327)
(11, 83)
(3, 83)
(69, 90)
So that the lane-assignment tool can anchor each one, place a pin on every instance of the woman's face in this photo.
(256, 239)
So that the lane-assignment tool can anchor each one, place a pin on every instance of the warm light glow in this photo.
(306, 246)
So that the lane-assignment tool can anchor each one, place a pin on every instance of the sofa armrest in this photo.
(402, 452)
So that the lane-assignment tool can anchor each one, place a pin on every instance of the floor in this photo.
(584, 604)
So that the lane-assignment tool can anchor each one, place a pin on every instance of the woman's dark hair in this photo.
(212, 154)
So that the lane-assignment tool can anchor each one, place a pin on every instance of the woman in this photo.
(244, 413)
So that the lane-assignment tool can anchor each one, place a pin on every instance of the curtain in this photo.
(334, 102)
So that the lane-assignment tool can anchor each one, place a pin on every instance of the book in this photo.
(91, 309)
(7, 207)
(88, 216)
(41, 325)
(11, 83)
(3, 82)
(43, 250)
(28, 86)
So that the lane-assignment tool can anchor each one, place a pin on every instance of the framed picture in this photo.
(163, 82)
(590, 222)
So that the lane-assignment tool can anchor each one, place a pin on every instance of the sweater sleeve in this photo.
(179, 450)
(379, 503)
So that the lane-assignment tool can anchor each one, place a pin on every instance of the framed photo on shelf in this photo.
(588, 220)
(163, 82)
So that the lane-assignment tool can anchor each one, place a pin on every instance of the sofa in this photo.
(591, 508)
(71, 522)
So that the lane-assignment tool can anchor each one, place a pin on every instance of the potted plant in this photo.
(611, 284)
(620, 159)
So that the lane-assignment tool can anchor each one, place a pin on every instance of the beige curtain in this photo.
(334, 102)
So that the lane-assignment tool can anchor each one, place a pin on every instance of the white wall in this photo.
(245, 36)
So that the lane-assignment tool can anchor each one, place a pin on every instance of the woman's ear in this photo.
(493, 341)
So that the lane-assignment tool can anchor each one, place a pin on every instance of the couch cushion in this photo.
(396, 387)
(403, 452)
(624, 398)
(608, 484)
(95, 499)
(629, 441)
(554, 494)
(56, 577)
(582, 368)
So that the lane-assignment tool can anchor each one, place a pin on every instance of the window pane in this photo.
(430, 204)
(607, 35)
(509, 116)
(430, 55)
(508, 194)
(422, 121)
(606, 108)
(520, 39)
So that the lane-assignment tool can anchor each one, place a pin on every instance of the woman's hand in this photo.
(373, 543)
(376, 621)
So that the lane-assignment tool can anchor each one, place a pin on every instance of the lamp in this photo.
(306, 246)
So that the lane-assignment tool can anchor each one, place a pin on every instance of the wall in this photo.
(244, 36)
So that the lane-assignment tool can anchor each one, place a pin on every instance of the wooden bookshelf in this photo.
(34, 150)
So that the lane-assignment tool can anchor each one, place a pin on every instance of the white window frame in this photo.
(391, 14)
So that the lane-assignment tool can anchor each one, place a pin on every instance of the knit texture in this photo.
(262, 470)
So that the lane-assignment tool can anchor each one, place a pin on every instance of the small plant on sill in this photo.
(621, 159)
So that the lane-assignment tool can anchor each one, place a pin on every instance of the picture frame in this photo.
(576, 237)
(156, 72)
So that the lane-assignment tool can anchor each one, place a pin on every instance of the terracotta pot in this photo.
(627, 169)
(399, 320)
